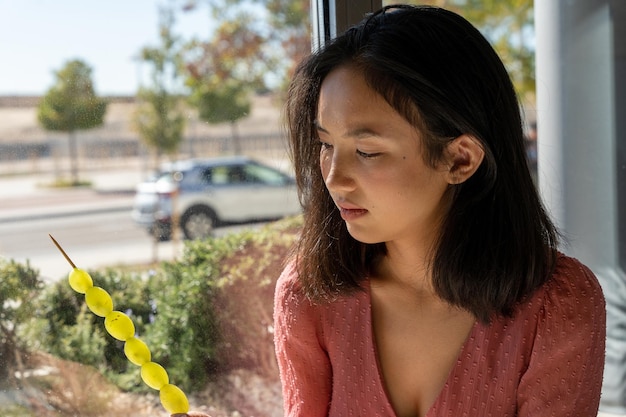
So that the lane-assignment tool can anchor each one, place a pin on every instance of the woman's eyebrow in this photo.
(359, 132)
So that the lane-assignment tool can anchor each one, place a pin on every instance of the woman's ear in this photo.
(463, 156)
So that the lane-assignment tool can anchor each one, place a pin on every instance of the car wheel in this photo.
(198, 222)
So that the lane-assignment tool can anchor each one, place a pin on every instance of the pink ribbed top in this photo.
(547, 360)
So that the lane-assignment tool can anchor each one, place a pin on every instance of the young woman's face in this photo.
(371, 161)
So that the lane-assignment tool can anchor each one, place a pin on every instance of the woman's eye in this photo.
(367, 155)
(326, 145)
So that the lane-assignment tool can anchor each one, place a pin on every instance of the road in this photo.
(94, 228)
(92, 240)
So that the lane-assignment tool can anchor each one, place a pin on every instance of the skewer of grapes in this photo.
(121, 327)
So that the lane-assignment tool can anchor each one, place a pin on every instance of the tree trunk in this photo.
(73, 148)
(236, 139)
(7, 354)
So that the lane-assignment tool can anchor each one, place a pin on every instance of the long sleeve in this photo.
(564, 375)
(304, 365)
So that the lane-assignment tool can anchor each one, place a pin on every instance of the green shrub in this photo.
(183, 336)
(15, 410)
(208, 312)
(214, 305)
(19, 285)
(63, 325)
(245, 300)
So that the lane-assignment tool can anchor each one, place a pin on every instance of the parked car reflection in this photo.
(204, 193)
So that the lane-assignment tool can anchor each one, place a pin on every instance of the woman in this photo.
(427, 280)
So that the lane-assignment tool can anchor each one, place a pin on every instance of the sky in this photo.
(37, 37)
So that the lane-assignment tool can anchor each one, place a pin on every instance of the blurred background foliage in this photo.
(19, 286)
(208, 313)
(71, 104)
(510, 27)
(254, 49)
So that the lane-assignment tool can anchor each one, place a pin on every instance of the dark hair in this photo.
(497, 243)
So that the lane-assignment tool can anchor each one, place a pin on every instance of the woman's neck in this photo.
(406, 267)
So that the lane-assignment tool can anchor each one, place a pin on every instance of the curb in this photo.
(59, 213)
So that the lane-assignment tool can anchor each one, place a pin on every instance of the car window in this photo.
(217, 175)
(237, 175)
(206, 176)
(265, 175)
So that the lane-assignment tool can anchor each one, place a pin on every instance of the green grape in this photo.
(154, 375)
(99, 301)
(173, 399)
(80, 280)
(137, 351)
(119, 325)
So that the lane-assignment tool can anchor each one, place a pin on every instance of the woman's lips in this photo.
(352, 213)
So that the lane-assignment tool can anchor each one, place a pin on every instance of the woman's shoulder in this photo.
(288, 289)
(572, 292)
(571, 277)
(290, 296)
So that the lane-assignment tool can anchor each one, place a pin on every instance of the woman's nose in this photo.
(338, 173)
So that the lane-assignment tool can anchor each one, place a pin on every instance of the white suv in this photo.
(204, 193)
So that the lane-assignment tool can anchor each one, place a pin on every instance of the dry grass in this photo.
(73, 389)
(61, 388)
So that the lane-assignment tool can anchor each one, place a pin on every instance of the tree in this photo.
(283, 26)
(509, 26)
(72, 105)
(223, 72)
(159, 118)
(291, 20)
(227, 102)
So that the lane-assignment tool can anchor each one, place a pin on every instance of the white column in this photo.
(576, 119)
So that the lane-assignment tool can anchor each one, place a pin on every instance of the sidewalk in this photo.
(30, 196)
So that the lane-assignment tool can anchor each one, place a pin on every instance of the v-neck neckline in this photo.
(463, 351)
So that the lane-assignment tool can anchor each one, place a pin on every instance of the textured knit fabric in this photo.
(545, 361)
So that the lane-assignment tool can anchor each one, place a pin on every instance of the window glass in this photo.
(174, 81)
(162, 84)
(220, 175)
(256, 173)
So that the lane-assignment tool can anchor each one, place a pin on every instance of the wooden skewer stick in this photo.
(62, 251)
